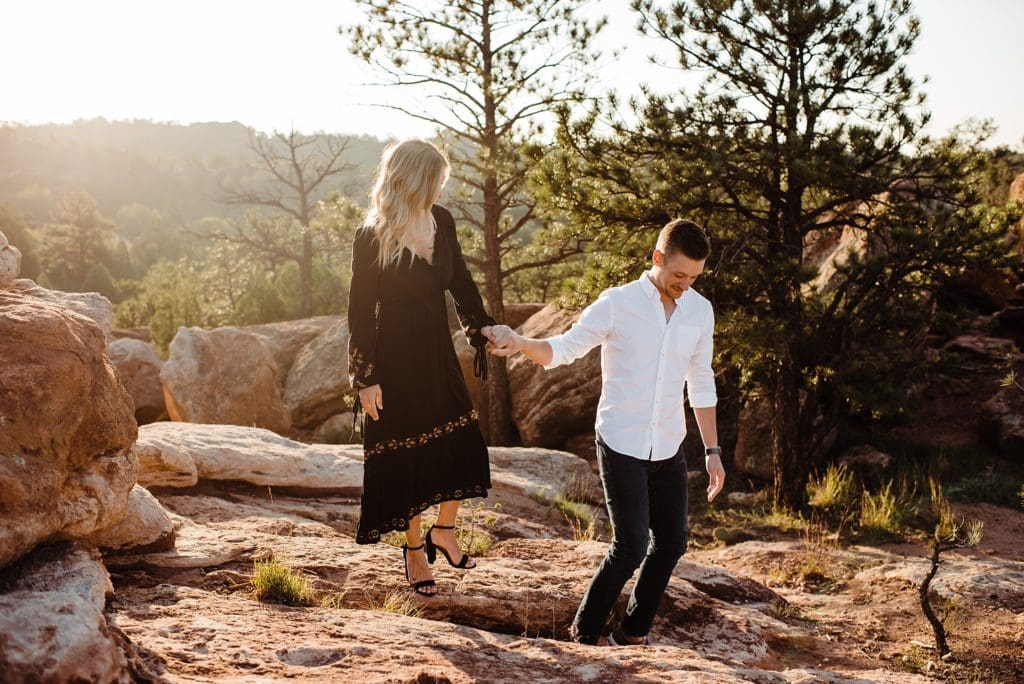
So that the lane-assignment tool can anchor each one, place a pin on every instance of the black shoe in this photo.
(418, 587)
(620, 638)
(433, 548)
(585, 639)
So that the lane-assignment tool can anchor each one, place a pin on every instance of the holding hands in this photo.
(503, 340)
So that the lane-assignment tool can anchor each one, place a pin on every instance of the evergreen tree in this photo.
(99, 280)
(806, 132)
(75, 240)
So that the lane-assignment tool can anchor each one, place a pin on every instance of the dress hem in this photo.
(402, 524)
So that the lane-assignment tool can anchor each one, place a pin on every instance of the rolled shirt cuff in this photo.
(703, 400)
(557, 352)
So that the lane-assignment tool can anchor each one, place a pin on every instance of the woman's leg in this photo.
(419, 569)
(446, 539)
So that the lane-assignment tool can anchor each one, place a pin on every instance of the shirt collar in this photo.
(652, 291)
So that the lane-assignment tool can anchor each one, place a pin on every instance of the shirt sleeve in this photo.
(363, 296)
(592, 328)
(700, 378)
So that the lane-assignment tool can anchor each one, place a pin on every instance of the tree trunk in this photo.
(789, 478)
(306, 276)
(499, 398)
(937, 627)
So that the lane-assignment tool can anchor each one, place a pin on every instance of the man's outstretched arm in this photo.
(592, 328)
(538, 351)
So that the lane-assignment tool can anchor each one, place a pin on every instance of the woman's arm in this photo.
(362, 322)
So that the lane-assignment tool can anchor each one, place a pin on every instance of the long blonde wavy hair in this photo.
(409, 179)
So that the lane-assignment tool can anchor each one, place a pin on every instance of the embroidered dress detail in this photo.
(420, 440)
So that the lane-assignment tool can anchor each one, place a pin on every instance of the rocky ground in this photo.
(127, 553)
(761, 611)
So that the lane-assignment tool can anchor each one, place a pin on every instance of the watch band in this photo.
(713, 450)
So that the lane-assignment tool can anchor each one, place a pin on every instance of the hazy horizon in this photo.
(254, 64)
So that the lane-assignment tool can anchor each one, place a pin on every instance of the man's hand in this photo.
(372, 400)
(716, 475)
(504, 341)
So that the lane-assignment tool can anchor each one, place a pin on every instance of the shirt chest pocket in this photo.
(684, 344)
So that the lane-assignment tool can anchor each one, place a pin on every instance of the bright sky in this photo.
(282, 64)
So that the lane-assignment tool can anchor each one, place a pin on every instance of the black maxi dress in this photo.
(427, 446)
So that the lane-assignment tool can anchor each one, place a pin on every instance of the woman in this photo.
(421, 438)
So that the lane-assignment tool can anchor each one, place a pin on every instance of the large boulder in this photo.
(92, 305)
(226, 376)
(52, 626)
(338, 429)
(285, 339)
(10, 262)
(252, 455)
(550, 407)
(146, 527)
(518, 313)
(317, 385)
(139, 366)
(1004, 421)
(466, 354)
(543, 473)
(66, 426)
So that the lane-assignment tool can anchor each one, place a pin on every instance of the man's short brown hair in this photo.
(684, 236)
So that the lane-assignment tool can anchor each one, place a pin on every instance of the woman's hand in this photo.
(372, 400)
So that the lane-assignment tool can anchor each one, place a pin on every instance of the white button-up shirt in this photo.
(645, 363)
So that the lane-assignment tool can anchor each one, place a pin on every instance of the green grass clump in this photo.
(833, 491)
(273, 580)
(398, 602)
(883, 514)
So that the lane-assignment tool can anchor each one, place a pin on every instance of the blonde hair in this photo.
(409, 179)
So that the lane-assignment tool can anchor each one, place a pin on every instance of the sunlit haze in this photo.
(278, 65)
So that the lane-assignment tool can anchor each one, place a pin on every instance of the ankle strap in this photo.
(412, 548)
(444, 527)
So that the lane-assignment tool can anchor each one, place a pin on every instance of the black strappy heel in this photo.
(422, 584)
(433, 548)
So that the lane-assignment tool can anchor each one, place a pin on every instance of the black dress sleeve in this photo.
(363, 295)
(468, 304)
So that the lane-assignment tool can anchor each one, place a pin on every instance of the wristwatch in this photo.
(713, 450)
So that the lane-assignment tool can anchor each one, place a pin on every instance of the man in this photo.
(656, 336)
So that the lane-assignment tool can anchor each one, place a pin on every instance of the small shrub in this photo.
(833, 491)
(782, 518)
(580, 515)
(273, 580)
(883, 514)
(941, 511)
(338, 600)
(397, 602)
(474, 542)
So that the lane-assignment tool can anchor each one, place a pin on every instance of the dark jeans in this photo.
(642, 496)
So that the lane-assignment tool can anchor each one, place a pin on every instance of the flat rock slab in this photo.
(245, 454)
(996, 582)
(173, 454)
